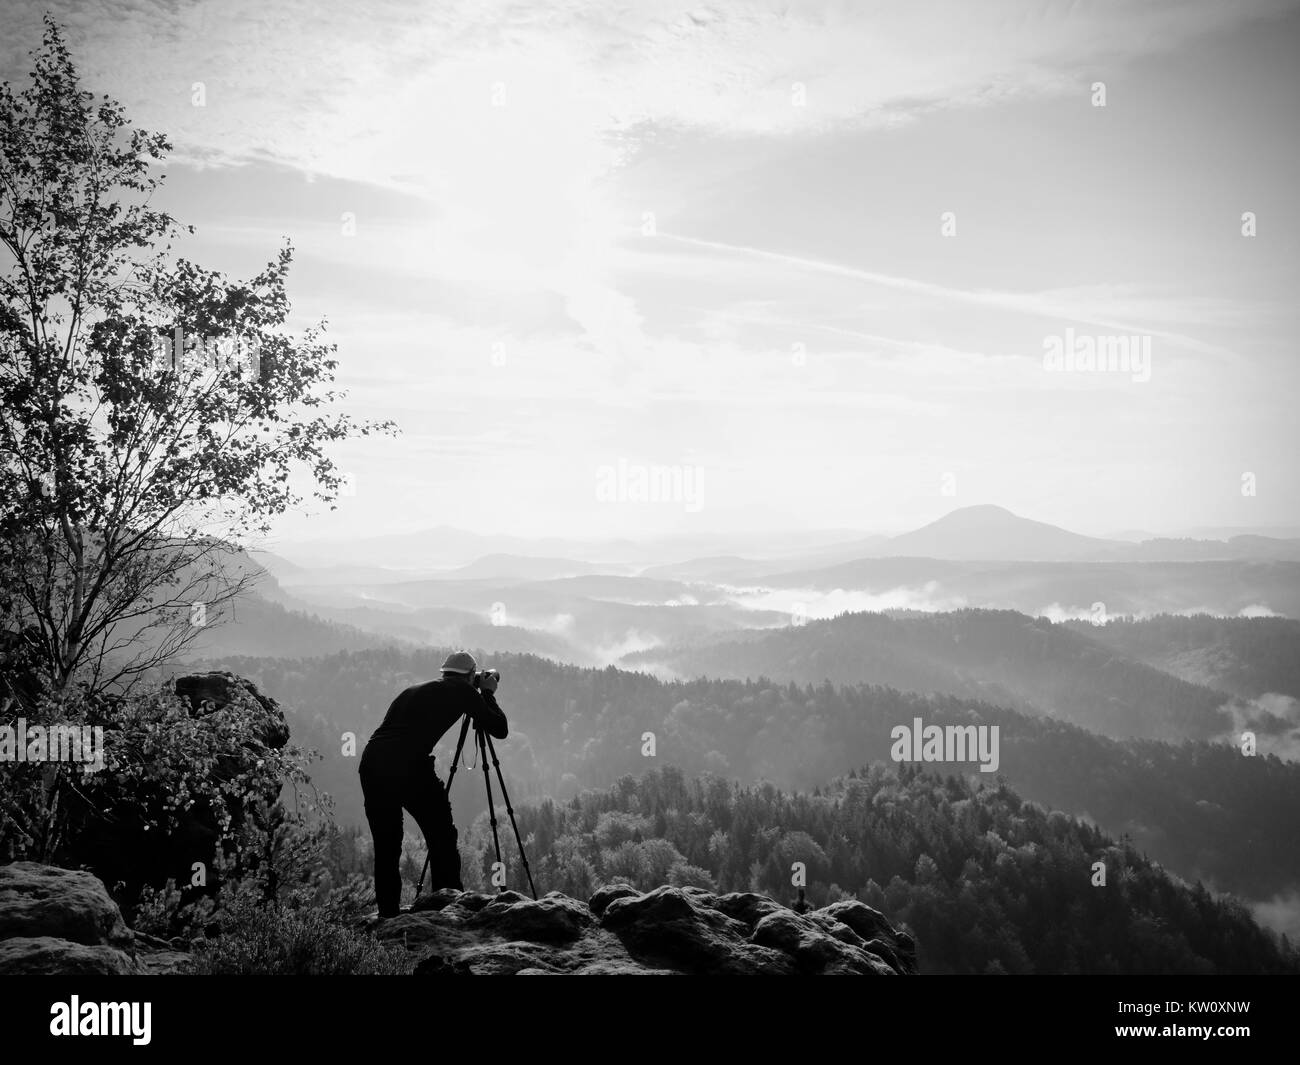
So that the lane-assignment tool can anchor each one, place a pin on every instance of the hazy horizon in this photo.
(828, 535)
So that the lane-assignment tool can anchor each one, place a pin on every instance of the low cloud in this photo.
(818, 603)
(1258, 610)
(1280, 913)
(608, 654)
(1273, 718)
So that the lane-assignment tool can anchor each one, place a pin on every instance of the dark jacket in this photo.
(418, 718)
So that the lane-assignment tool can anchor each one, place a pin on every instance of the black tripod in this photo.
(483, 743)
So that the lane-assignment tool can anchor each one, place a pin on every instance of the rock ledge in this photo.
(668, 930)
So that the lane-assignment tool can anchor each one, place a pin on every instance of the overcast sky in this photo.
(712, 236)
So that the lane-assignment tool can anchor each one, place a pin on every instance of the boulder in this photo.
(555, 918)
(46, 956)
(63, 921)
(872, 925)
(677, 928)
(747, 907)
(44, 902)
(607, 893)
(813, 951)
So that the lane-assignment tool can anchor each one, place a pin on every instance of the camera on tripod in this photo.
(485, 748)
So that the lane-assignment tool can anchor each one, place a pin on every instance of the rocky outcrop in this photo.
(666, 931)
(121, 847)
(63, 921)
(206, 692)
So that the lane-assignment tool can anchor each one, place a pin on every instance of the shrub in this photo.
(276, 858)
(285, 941)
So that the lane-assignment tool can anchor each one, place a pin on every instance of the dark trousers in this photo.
(389, 790)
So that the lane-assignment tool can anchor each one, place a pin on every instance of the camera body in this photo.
(495, 674)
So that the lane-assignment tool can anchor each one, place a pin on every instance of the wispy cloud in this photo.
(1063, 305)
(298, 81)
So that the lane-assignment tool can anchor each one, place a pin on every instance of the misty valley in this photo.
(1129, 732)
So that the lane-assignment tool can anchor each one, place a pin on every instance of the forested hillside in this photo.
(1204, 810)
(986, 882)
(258, 625)
(997, 655)
(1244, 656)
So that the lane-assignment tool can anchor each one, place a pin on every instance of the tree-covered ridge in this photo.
(987, 882)
(1204, 810)
(996, 655)
(1243, 656)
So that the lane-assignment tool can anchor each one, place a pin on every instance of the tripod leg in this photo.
(480, 737)
(460, 744)
(510, 810)
(451, 775)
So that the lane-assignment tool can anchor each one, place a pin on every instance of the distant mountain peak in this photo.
(981, 512)
(989, 531)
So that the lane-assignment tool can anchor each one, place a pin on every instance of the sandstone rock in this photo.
(489, 959)
(436, 900)
(63, 921)
(47, 956)
(163, 962)
(210, 691)
(555, 918)
(865, 921)
(747, 907)
(838, 929)
(607, 893)
(872, 925)
(624, 932)
(813, 951)
(675, 927)
(44, 902)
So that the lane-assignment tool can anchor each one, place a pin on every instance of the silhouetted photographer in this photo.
(397, 771)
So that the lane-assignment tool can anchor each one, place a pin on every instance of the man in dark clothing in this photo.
(397, 772)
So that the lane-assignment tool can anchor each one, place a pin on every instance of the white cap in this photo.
(460, 662)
